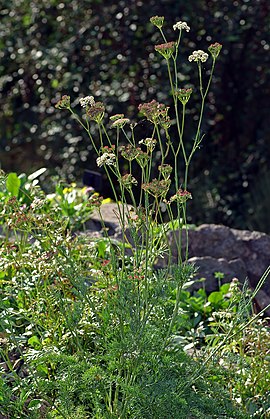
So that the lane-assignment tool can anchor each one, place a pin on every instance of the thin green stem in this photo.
(175, 59)
(162, 34)
(160, 144)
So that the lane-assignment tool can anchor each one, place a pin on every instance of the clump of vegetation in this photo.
(89, 327)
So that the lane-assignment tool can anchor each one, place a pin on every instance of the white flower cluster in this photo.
(36, 203)
(198, 56)
(87, 101)
(106, 158)
(181, 26)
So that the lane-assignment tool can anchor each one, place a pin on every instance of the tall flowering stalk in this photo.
(183, 95)
(154, 192)
(143, 231)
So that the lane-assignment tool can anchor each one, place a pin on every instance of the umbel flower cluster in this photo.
(198, 55)
(157, 187)
(95, 112)
(181, 196)
(150, 144)
(215, 49)
(165, 170)
(181, 26)
(166, 50)
(106, 159)
(87, 101)
(128, 181)
(156, 112)
(183, 95)
(157, 21)
(129, 152)
(63, 103)
(120, 123)
(118, 120)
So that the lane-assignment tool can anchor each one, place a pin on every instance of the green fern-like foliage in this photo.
(162, 389)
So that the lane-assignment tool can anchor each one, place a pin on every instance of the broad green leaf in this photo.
(215, 297)
(225, 288)
(13, 184)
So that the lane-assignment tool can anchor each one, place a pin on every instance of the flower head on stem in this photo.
(116, 116)
(128, 181)
(150, 144)
(157, 187)
(120, 123)
(215, 49)
(137, 216)
(156, 112)
(129, 152)
(95, 200)
(181, 26)
(181, 197)
(166, 50)
(165, 170)
(157, 21)
(198, 56)
(107, 159)
(107, 149)
(63, 103)
(96, 112)
(87, 101)
(142, 158)
(183, 95)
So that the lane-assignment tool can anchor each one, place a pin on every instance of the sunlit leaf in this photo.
(13, 184)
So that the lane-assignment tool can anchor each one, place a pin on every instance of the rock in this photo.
(212, 240)
(111, 217)
(262, 301)
(217, 241)
(256, 254)
(208, 266)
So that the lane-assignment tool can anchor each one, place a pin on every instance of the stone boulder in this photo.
(236, 253)
(111, 216)
(207, 267)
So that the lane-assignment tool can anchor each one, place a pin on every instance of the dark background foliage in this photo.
(106, 49)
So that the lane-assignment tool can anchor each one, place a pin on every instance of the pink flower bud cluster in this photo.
(181, 197)
(156, 112)
(157, 187)
(63, 103)
(95, 112)
(166, 50)
(215, 49)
